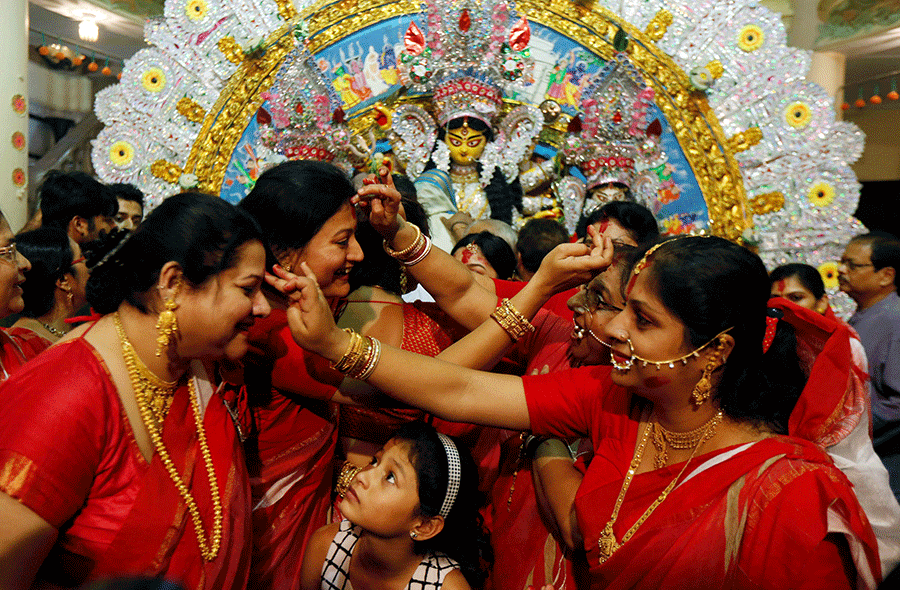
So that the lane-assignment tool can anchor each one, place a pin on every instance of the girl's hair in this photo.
(712, 284)
(50, 253)
(378, 268)
(495, 250)
(293, 200)
(463, 537)
(808, 276)
(200, 232)
(502, 196)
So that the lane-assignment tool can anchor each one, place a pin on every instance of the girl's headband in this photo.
(454, 471)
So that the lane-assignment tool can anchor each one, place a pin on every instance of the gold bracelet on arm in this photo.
(513, 323)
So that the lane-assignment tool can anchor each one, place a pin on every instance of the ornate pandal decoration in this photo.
(606, 542)
(138, 373)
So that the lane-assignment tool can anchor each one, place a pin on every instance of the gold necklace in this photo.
(149, 389)
(138, 374)
(662, 439)
(606, 542)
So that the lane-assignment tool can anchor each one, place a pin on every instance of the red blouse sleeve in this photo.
(56, 417)
(566, 403)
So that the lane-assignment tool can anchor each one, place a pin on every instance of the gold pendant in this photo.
(607, 542)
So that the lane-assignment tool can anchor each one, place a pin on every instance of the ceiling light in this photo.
(88, 30)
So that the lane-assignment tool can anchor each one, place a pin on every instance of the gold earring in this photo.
(704, 387)
(167, 323)
(413, 534)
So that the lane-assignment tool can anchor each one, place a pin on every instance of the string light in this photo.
(88, 29)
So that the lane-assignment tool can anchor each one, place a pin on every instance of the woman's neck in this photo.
(140, 329)
(47, 326)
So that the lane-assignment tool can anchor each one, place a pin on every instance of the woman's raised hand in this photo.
(569, 265)
(381, 201)
(308, 313)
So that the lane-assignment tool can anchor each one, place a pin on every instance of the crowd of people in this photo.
(302, 391)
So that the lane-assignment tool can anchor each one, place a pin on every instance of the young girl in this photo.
(412, 521)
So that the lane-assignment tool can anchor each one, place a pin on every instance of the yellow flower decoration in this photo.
(751, 38)
(829, 272)
(798, 115)
(195, 9)
(153, 80)
(121, 153)
(821, 194)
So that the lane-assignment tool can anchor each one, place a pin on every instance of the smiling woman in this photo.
(144, 473)
(14, 350)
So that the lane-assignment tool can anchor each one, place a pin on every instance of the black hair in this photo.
(808, 276)
(463, 537)
(378, 268)
(64, 195)
(536, 238)
(501, 195)
(293, 200)
(885, 251)
(50, 253)
(636, 219)
(127, 192)
(202, 233)
(495, 250)
(712, 284)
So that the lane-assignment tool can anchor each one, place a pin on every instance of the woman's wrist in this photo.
(404, 235)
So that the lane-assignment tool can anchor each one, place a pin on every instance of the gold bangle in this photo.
(513, 323)
(401, 254)
(351, 355)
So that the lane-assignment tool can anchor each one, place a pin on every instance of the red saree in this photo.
(116, 514)
(17, 346)
(525, 553)
(754, 516)
(290, 456)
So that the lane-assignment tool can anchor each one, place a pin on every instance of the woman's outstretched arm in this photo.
(440, 388)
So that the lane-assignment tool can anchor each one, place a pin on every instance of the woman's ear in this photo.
(62, 283)
(726, 341)
(428, 528)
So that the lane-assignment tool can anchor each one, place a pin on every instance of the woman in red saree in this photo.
(693, 482)
(15, 349)
(118, 456)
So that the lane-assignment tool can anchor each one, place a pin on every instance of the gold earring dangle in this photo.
(703, 388)
(167, 323)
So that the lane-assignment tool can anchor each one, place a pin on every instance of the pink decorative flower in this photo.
(18, 140)
(18, 177)
(19, 104)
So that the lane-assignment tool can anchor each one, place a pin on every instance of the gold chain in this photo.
(606, 543)
(139, 382)
(662, 439)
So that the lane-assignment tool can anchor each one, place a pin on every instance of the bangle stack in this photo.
(415, 252)
(513, 323)
(360, 358)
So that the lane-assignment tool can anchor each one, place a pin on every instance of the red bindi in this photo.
(781, 286)
(603, 225)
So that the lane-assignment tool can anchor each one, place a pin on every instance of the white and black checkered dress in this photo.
(428, 576)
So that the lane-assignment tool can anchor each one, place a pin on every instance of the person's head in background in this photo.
(621, 221)
(77, 204)
(486, 254)
(867, 271)
(801, 284)
(55, 285)
(13, 267)
(131, 205)
(498, 228)
(378, 268)
(536, 238)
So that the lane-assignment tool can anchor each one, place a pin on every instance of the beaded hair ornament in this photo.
(454, 472)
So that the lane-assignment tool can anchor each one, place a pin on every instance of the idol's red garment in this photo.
(68, 453)
(752, 516)
(17, 346)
